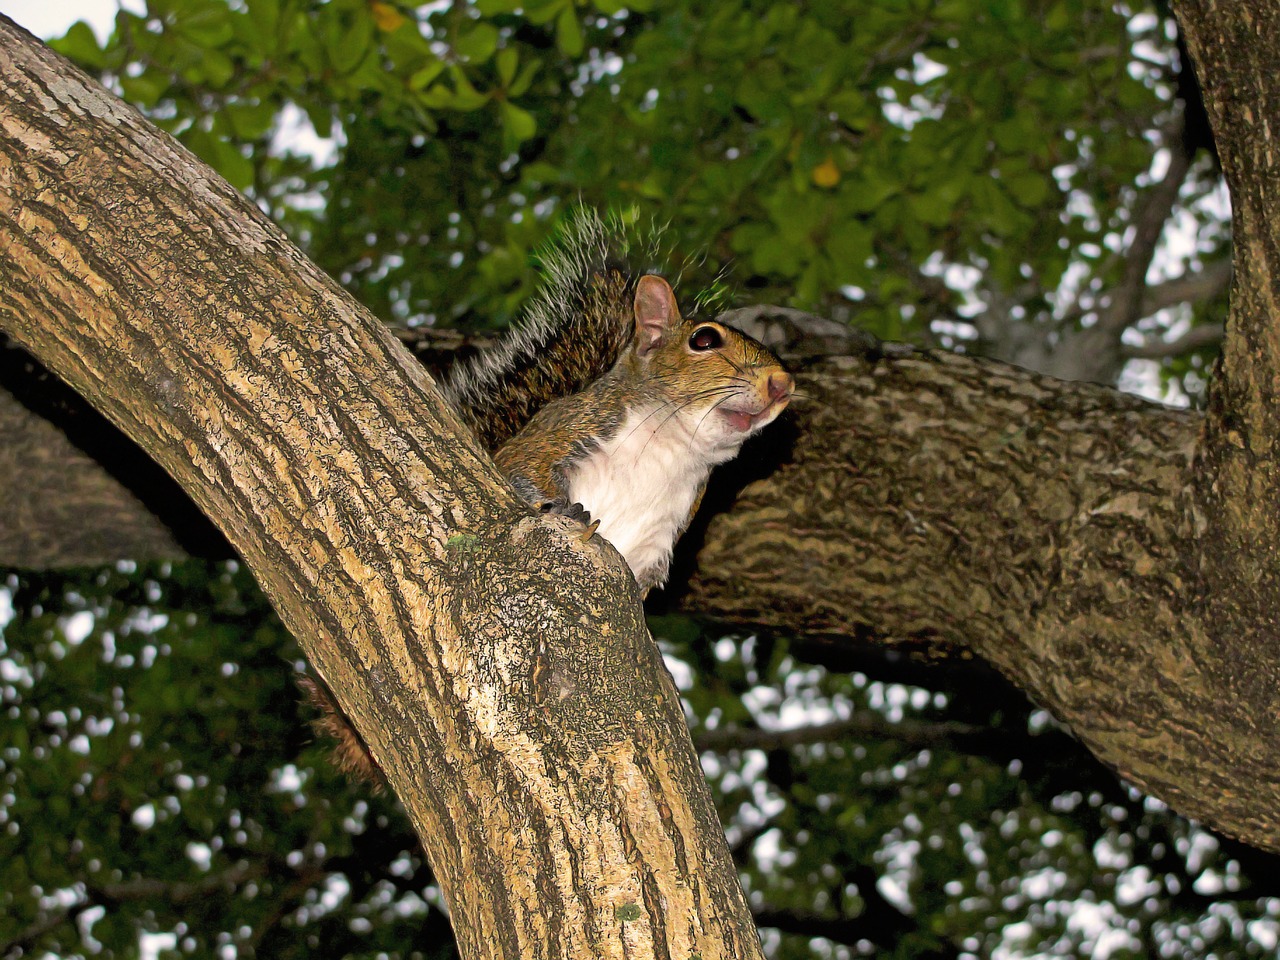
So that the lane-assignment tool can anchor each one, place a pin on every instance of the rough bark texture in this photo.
(498, 667)
(1050, 528)
(1236, 47)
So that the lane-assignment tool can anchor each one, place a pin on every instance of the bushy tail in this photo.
(350, 754)
(573, 331)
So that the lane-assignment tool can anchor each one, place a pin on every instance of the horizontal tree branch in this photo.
(1197, 338)
(947, 503)
(863, 724)
(1194, 286)
(952, 505)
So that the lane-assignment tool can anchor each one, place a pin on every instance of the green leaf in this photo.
(994, 208)
(518, 124)
(210, 67)
(465, 96)
(544, 11)
(145, 90)
(540, 173)
(569, 32)
(249, 121)
(850, 243)
(524, 79)
(931, 207)
(347, 48)
(853, 108)
(478, 44)
(506, 62)
(80, 44)
(223, 156)
(1030, 189)
(438, 97)
(421, 78)
(265, 14)
(206, 24)
(627, 912)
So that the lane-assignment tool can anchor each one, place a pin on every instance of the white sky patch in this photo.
(296, 134)
(77, 626)
(1102, 928)
(147, 621)
(47, 20)
(144, 818)
(681, 672)
(200, 854)
(11, 672)
(152, 945)
(1266, 932)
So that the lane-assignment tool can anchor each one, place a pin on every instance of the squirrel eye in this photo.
(705, 338)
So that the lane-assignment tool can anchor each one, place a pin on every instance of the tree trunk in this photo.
(498, 666)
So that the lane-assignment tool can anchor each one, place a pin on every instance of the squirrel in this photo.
(608, 406)
(634, 449)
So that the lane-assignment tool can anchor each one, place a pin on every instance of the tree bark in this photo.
(498, 666)
(1236, 47)
(1050, 528)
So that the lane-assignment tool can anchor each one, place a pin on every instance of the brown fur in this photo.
(350, 754)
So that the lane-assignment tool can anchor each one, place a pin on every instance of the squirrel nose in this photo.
(780, 385)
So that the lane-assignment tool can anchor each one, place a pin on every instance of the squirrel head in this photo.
(726, 384)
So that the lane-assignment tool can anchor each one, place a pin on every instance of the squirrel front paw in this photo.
(561, 507)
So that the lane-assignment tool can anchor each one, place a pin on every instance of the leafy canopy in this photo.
(919, 166)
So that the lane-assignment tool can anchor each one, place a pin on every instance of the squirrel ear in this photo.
(656, 312)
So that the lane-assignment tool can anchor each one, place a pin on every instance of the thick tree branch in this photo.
(960, 505)
(498, 667)
(1235, 48)
(1050, 528)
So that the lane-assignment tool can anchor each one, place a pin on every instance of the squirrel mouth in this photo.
(744, 421)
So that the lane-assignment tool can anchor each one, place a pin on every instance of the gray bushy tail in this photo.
(573, 331)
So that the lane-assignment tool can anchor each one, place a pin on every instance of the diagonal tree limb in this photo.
(497, 665)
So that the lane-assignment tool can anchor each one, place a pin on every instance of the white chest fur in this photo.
(642, 482)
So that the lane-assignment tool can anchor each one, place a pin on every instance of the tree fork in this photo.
(499, 668)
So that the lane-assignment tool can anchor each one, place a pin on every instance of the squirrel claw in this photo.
(563, 508)
(574, 511)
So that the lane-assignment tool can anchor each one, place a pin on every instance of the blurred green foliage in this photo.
(157, 776)
(897, 162)
(158, 772)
